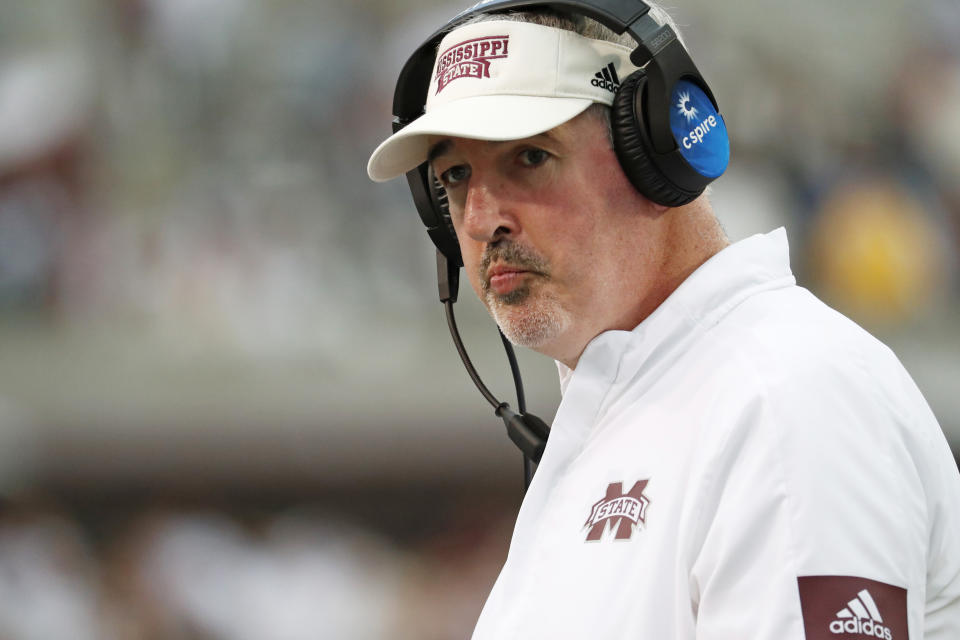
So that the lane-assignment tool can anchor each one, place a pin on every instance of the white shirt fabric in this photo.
(777, 440)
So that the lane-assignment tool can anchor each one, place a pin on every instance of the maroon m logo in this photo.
(625, 511)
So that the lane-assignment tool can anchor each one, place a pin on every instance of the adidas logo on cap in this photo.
(861, 617)
(607, 78)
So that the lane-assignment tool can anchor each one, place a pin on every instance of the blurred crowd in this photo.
(165, 162)
(184, 203)
(211, 573)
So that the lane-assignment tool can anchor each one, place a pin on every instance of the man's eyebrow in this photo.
(444, 146)
(439, 149)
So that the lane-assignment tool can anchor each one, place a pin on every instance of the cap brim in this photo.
(487, 117)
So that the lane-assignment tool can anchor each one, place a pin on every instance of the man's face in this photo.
(548, 231)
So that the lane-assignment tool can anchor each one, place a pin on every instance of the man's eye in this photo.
(533, 157)
(455, 175)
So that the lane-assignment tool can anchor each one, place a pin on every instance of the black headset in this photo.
(640, 115)
(643, 140)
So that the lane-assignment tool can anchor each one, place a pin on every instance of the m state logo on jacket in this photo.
(626, 512)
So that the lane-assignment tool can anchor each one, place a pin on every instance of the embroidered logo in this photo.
(624, 511)
(470, 59)
(607, 78)
(860, 617)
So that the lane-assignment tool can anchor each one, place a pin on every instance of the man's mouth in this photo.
(502, 279)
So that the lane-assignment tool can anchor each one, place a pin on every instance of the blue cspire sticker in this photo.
(699, 130)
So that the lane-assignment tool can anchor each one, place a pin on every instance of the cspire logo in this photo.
(686, 108)
(698, 129)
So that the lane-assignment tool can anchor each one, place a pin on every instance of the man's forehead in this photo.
(442, 145)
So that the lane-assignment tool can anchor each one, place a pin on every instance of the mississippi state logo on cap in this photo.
(699, 130)
(470, 59)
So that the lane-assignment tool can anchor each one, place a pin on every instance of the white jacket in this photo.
(746, 464)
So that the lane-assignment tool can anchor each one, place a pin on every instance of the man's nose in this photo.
(485, 215)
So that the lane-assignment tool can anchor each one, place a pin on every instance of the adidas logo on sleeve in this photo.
(607, 78)
(852, 608)
(862, 616)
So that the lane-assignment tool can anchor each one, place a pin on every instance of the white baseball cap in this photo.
(504, 80)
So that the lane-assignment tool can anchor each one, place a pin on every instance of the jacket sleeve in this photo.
(814, 516)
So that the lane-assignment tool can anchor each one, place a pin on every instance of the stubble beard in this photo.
(527, 315)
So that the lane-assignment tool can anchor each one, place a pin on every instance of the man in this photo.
(731, 458)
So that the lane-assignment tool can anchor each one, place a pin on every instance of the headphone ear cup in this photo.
(632, 145)
(441, 205)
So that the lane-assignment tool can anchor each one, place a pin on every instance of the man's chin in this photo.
(530, 324)
(515, 297)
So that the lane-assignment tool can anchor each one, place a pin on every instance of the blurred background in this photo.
(229, 407)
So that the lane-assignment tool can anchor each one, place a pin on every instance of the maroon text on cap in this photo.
(470, 59)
